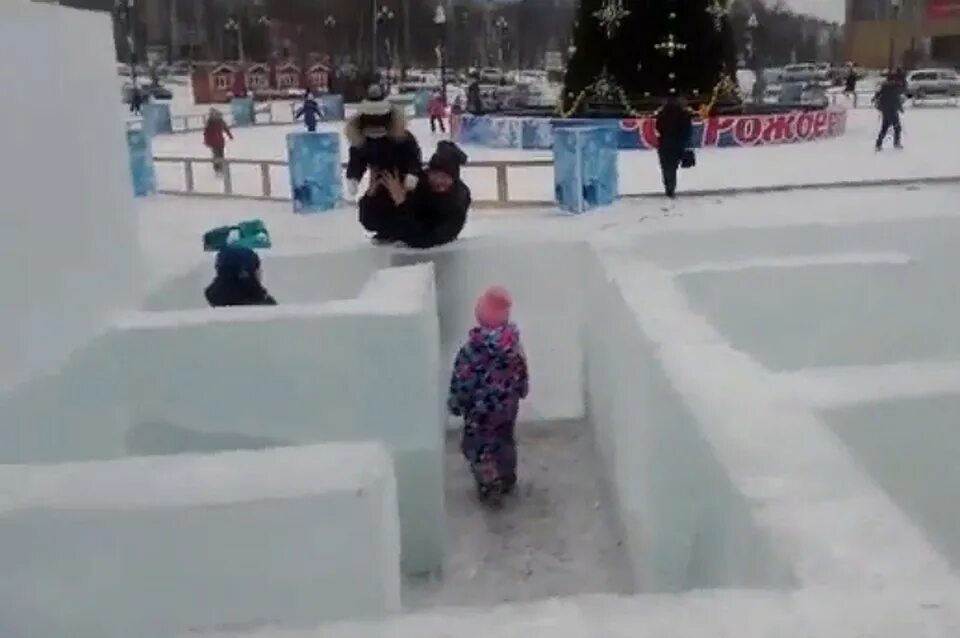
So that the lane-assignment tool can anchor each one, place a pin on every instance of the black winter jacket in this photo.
(426, 219)
(225, 292)
(674, 125)
(397, 151)
(888, 99)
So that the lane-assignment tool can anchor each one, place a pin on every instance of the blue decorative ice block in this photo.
(157, 118)
(585, 167)
(537, 133)
(332, 109)
(141, 162)
(421, 103)
(314, 171)
(243, 111)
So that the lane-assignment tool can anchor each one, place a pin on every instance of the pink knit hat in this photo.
(493, 307)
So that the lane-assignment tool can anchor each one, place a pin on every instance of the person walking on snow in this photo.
(215, 135)
(889, 102)
(310, 112)
(437, 109)
(674, 126)
(850, 84)
(489, 380)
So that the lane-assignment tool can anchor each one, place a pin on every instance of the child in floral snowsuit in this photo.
(489, 380)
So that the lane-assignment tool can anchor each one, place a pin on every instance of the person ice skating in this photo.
(379, 141)
(488, 382)
(437, 109)
(474, 99)
(215, 135)
(137, 100)
(889, 102)
(456, 117)
(850, 84)
(238, 281)
(431, 215)
(674, 126)
(310, 112)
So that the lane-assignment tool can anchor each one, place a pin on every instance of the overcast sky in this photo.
(832, 10)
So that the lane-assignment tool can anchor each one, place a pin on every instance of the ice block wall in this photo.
(169, 546)
(685, 525)
(205, 380)
(68, 247)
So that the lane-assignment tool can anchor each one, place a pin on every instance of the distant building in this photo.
(922, 31)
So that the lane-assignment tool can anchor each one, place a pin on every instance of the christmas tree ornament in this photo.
(718, 12)
(610, 16)
(636, 52)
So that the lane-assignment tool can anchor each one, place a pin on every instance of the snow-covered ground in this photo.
(931, 138)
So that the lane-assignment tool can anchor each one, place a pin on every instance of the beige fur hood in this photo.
(397, 130)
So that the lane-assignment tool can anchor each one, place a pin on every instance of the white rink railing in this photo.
(268, 180)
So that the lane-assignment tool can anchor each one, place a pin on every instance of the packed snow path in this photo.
(555, 537)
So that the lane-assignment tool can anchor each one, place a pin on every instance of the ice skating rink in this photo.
(930, 138)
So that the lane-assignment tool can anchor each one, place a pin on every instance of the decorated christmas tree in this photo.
(630, 54)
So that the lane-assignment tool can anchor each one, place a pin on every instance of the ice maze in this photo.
(738, 426)
(726, 469)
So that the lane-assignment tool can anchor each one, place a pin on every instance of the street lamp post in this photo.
(234, 25)
(440, 19)
(124, 10)
(895, 11)
(330, 23)
(501, 26)
(383, 18)
(758, 85)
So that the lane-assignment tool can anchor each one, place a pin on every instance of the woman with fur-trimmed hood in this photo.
(379, 141)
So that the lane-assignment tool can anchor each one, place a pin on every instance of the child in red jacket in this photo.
(214, 137)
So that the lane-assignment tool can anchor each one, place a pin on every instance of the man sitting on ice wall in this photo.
(433, 214)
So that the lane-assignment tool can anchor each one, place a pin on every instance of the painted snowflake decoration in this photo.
(610, 16)
(670, 46)
(605, 86)
(717, 11)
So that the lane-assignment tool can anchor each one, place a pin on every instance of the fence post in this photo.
(188, 176)
(227, 179)
(503, 192)
(265, 179)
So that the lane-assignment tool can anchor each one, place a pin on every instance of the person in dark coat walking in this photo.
(432, 215)
(239, 280)
(850, 84)
(889, 102)
(474, 99)
(137, 100)
(379, 141)
(310, 112)
(674, 126)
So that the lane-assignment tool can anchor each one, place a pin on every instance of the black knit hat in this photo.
(448, 159)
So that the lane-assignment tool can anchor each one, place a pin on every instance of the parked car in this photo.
(155, 91)
(807, 72)
(491, 75)
(933, 82)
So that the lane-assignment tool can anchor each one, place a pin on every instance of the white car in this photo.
(933, 83)
(800, 73)
(491, 75)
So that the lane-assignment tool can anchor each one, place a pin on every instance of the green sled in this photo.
(251, 234)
